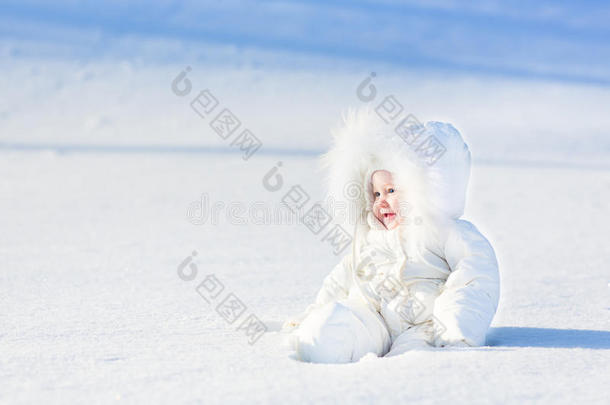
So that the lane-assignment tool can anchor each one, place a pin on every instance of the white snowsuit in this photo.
(432, 281)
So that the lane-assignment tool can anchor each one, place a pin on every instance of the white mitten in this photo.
(443, 341)
(443, 337)
(295, 321)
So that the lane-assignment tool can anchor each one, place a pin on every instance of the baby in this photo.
(417, 276)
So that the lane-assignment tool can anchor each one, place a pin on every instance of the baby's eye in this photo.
(376, 194)
(391, 190)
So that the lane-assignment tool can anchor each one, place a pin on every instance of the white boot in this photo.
(341, 332)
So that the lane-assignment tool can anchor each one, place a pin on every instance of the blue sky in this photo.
(554, 40)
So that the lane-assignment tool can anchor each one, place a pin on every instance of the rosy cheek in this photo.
(394, 204)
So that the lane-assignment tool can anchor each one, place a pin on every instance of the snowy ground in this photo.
(92, 309)
(103, 170)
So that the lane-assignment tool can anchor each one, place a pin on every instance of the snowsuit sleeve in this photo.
(468, 301)
(335, 286)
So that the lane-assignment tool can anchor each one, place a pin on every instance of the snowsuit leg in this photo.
(416, 337)
(341, 332)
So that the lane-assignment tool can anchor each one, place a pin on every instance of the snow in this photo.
(93, 308)
(103, 170)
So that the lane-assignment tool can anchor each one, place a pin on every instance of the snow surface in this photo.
(93, 309)
(102, 168)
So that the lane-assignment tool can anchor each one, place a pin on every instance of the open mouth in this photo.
(389, 215)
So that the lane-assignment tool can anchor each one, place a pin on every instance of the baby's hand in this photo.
(294, 321)
(290, 325)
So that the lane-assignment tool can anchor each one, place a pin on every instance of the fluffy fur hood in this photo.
(430, 165)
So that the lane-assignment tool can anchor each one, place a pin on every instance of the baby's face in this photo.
(386, 204)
